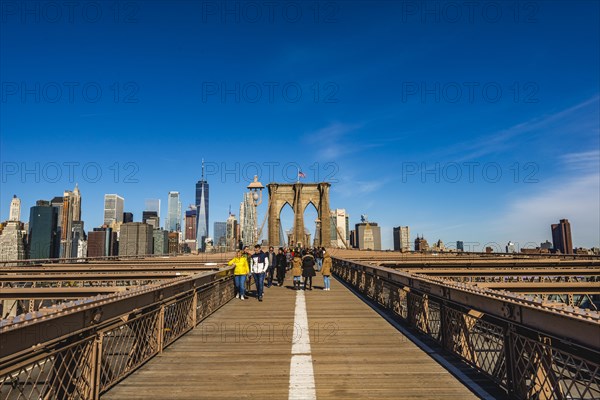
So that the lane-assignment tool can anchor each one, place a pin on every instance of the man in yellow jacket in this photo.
(240, 272)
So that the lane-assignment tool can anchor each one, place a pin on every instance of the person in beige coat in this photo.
(297, 271)
(326, 271)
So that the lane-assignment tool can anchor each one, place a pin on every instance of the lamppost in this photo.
(256, 189)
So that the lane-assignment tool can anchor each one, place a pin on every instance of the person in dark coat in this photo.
(280, 265)
(308, 269)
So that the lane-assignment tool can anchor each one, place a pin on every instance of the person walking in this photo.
(326, 271)
(271, 269)
(239, 273)
(308, 269)
(280, 264)
(318, 254)
(297, 270)
(260, 264)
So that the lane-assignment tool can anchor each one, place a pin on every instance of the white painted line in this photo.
(302, 379)
(301, 337)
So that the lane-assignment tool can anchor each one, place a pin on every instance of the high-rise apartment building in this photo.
(340, 228)
(135, 239)
(402, 238)
(561, 237)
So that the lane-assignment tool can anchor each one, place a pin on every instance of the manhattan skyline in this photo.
(415, 120)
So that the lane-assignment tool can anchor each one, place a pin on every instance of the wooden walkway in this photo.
(244, 351)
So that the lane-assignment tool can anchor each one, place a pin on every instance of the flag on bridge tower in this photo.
(300, 175)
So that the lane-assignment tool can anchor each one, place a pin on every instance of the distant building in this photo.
(12, 243)
(174, 243)
(547, 245)
(401, 238)
(368, 235)
(135, 239)
(173, 222)
(460, 246)
(15, 209)
(151, 218)
(113, 209)
(353, 242)
(190, 228)
(102, 242)
(231, 234)
(71, 212)
(438, 246)
(160, 242)
(43, 238)
(561, 237)
(220, 233)
(340, 228)
(510, 248)
(127, 217)
(78, 240)
(421, 244)
(202, 207)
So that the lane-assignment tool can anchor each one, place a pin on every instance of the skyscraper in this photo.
(340, 228)
(76, 200)
(561, 237)
(15, 209)
(127, 217)
(43, 237)
(368, 235)
(202, 204)
(102, 242)
(402, 238)
(232, 232)
(173, 222)
(113, 209)
(136, 239)
(151, 217)
(190, 224)
(220, 233)
(69, 200)
(12, 245)
(153, 205)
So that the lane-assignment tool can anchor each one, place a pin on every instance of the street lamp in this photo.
(256, 189)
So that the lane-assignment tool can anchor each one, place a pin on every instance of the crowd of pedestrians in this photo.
(304, 264)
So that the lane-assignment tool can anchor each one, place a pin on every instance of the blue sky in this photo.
(466, 121)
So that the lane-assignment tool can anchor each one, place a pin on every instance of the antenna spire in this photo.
(203, 169)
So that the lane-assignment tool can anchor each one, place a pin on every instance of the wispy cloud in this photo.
(587, 161)
(333, 141)
(505, 139)
(574, 195)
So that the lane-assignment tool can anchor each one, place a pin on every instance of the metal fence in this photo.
(85, 363)
(500, 339)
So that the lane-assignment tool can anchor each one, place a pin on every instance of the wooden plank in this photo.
(244, 351)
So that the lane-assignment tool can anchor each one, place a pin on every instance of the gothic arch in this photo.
(298, 196)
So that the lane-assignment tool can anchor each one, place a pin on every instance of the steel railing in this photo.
(528, 348)
(82, 352)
